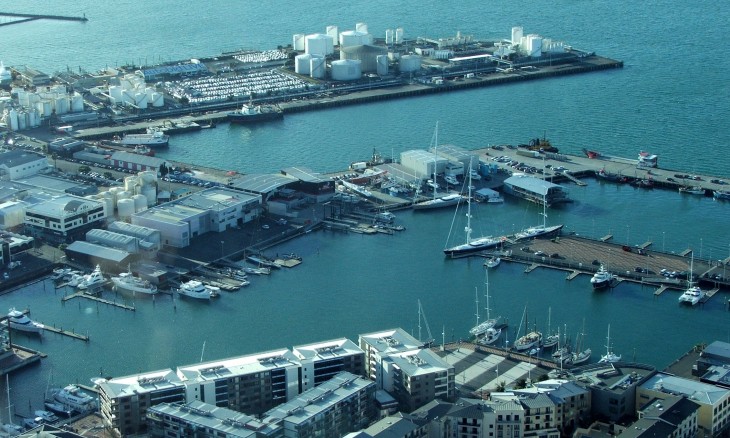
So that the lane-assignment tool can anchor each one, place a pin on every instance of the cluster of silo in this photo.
(346, 70)
(49, 100)
(394, 36)
(20, 119)
(367, 54)
(133, 91)
(354, 38)
(532, 45)
(312, 65)
(5, 77)
(138, 194)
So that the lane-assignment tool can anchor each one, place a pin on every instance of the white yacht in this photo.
(490, 336)
(610, 356)
(127, 282)
(198, 290)
(93, 279)
(72, 397)
(539, 230)
(692, 295)
(492, 262)
(529, 341)
(602, 278)
(20, 321)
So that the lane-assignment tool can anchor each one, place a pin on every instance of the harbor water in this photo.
(668, 99)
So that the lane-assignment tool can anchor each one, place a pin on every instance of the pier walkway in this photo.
(29, 17)
(98, 300)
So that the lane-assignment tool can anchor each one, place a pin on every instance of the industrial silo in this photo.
(125, 208)
(149, 192)
(301, 64)
(333, 32)
(317, 67)
(318, 44)
(534, 44)
(516, 34)
(61, 105)
(130, 182)
(346, 70)
(115, 92)
(352, 38)
(366, 53)
(13, 120)
(77, 103)
(157, 100)
(389, 36)
(147, 177)
(399, 35)
(409, 63)
(382, 65)
(298, 42)
(140, 203)
(361, 27)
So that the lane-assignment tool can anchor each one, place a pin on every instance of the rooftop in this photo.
(261, 183)
(304, 174)
(419, 362)
(99, 251)
(391, 341)
(327, 349)
(699, 392)
(19, 157)
(223, 420)
(239, 365)
(64, 205)
(535, 185)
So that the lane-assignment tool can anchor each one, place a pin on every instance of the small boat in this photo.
(94, 279)
(59, 273)
(262, 261)
(198, 290)
(31, 423)
(482, 328)
(610, 356)
(57, 408)
(12, 429)
(723, 195)
(696, 190)
(257, 271)
(529, 341)
(46, 416)
(126, 282)
(591, 154)
(550, 341)
(439, 202)
(693, 294)
(20, 321)
(539, 230)
(581, 357)
(492, 262)
(490, 336)
(602, 278)
(72, 397)
(75, 279)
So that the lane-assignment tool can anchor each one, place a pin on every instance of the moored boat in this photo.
(57, 408)
(126, 282)
(198, 290)
(581, 356)
(439, 202)
(492, 262)
(152, 139)
(528, 341)
(250, 113)
(18, 320)
(46, 416)
(696, 190)
(692, 295)
(610, 356)
(74, 398)
(723, 195)
(490, 336)
(602, 278)
(91, 280)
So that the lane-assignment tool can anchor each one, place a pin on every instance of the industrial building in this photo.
(136, 162)
(422, 163)
(63, 219)
(66, 146)
(467, 160)
(148, 237)
(33, 77)
(535, 190)
(19, 163)
(214, 209)
(311, 184)
(91, 254)
(341, 405)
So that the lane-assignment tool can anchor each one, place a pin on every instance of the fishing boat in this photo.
(539, 230)
(472, 245)
(492, 262)
(723, 195)
(126, 282)
(198, 290)
(152, 139)
(74, 398)
(250, 113)
(91, 280)
(696, 190)
(18, 320)
(602, 278)
(591, 154)
(610, 356)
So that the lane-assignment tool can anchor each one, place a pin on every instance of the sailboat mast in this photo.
(468, 210)
(486, 284)
(476, 297)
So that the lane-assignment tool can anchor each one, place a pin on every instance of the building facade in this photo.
(19, 164)
(64, 219)
(323, 360)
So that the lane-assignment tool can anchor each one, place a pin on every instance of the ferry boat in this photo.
(20, 321)
(75, 399)
(126, 282)
(250, 113)
(152, 139)
(196, 289)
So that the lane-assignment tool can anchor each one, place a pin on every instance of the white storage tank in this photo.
(367, 54)
(534, 42)
(130, 182)
(148, 177)
(115, 91)
(125, 208)
(157, 100)
(318, 44)
(123, 195)
(22, 120)
(317, 67)
(61, 105)
(333, 32)
(399, 35)
(389, 36)
(409, 63)
(361, 27)
(45, 107)
(140, 203)
(517, 34)
(13, 120)
(352, 38)
(301, 64)
(382, 65)
(298, 42)
(346, 70)
(150, 192)
(140, 100)
(34, 118)
(77, 102)
(108, 206)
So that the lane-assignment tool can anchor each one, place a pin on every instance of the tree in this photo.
(108, 175)
(84, 169)
(501, 386)
(521, 383)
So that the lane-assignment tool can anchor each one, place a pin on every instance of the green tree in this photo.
(108, 175)
(84, 168)
(501, 386)
(521, 383)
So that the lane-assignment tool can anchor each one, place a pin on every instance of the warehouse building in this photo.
(214, 209)
(18, 164)
(91, 254)
(136, 162)
(149, 238)
(535, 190)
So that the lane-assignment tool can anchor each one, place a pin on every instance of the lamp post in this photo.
(663, 239)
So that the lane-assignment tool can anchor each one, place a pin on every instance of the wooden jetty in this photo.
(98, 299)
(63, 332)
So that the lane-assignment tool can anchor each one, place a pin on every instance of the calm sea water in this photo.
(669, 99)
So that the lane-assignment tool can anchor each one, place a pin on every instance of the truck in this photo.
(526, 153)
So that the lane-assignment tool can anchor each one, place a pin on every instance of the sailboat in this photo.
(539, 230)
(551, 340)
(529, 340)
(610, 356)
(472, 245)
(437, 201)
(487, 329)
(693, 294)
(10, 428)
(580, 356)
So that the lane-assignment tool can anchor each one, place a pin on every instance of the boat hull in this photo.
(126, 287)
(436, 203)
(247, 119)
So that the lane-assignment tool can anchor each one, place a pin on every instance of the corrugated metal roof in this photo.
(261, 183)
(535, 185)
(19, 157)
(98, 251)
(304, 174)
(137, 159)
